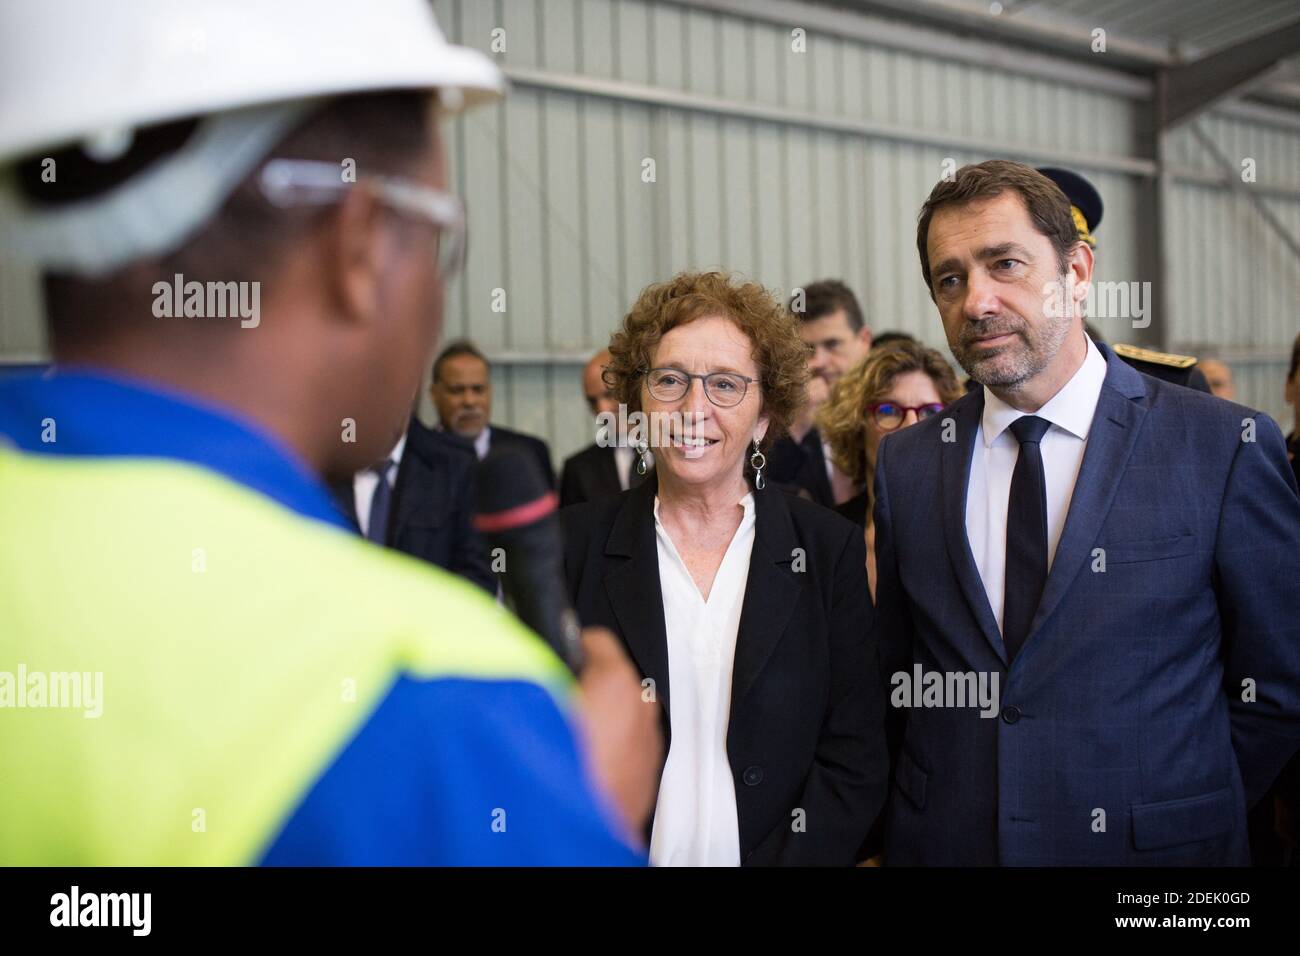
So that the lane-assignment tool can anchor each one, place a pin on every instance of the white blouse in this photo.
(695, 819)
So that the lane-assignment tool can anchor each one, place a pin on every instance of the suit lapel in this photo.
(633, 587)
(607, 474)
(1114, 431)
(955, 460)
(770, 592)
(414, 472)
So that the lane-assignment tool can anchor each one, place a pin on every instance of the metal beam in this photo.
(659, 97)
(1190, 88)
(894, 34)
(1236, 185)
(662, 96)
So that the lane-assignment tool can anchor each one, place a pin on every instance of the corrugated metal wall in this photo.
(562, 219)
(787, 166)
(1236, 283)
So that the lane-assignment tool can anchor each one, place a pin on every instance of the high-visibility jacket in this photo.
(214, 673)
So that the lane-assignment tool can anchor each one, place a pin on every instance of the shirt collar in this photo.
(747, 503)
(98, 414)
(395, 456)
(1070, 409)
(482, 441)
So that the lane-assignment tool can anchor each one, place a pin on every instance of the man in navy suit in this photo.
(1115, 556)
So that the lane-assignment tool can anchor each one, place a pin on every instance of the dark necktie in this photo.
(1026, 535)
(377, 528)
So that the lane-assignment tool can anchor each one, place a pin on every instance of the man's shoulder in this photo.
(509, 435)
(439, 445)
(1167, 398)
(593, 453)
(1181, 415)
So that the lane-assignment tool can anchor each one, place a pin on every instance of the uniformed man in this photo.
(1086, 207)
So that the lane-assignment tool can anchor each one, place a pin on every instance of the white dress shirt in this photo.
(366, 481)
(695, 818)
(623, 465)
(482, 441)
(1070, 413)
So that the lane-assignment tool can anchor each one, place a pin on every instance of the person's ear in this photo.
(355, 253)
(864, 334)
(760, 431)
(1079, 265)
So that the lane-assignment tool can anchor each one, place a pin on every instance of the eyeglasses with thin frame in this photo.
(306, 182)
(724, 389)
(889, 416)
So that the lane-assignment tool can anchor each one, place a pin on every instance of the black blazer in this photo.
(801, 466)
(433, 502)
(591, 474)
(505, 438)
(807, 702)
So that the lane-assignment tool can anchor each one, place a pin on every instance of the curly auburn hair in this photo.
(778, 351)
(842, 420)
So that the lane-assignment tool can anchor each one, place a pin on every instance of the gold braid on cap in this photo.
(1082, 225)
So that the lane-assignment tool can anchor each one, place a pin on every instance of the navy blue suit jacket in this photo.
(1122, 736)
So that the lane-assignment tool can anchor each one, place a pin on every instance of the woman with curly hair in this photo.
(744, 608)
(895, 386)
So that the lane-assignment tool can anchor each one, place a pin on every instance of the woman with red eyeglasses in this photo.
(895, 386)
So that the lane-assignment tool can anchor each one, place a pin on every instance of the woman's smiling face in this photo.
(705, 444)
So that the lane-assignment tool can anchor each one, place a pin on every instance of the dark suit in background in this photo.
(801, 466)
(592, 474)
(807, 705)
(500, 437)
(1126, 697)
(433, 502)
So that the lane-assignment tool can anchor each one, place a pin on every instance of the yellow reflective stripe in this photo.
(241, 647)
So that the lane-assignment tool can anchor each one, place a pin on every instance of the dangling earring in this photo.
(640, 458)
(758, 462)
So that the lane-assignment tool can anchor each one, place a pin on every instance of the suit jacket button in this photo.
(753, 776)
(1011, 714)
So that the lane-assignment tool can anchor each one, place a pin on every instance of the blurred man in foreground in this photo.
(267, 687)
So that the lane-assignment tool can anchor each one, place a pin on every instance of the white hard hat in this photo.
(70, 69)
(91, 72)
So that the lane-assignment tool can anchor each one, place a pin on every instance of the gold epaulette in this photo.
(1139, 354)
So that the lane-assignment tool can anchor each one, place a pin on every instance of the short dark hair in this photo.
(1048, 207)
(885, 338)
(455, 349)
(1295, 359)
(245, 239)
(826, 297)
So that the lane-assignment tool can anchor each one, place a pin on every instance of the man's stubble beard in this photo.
(1041, 345)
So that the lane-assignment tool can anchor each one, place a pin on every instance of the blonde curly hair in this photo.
(842, 420)
(779, 352)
